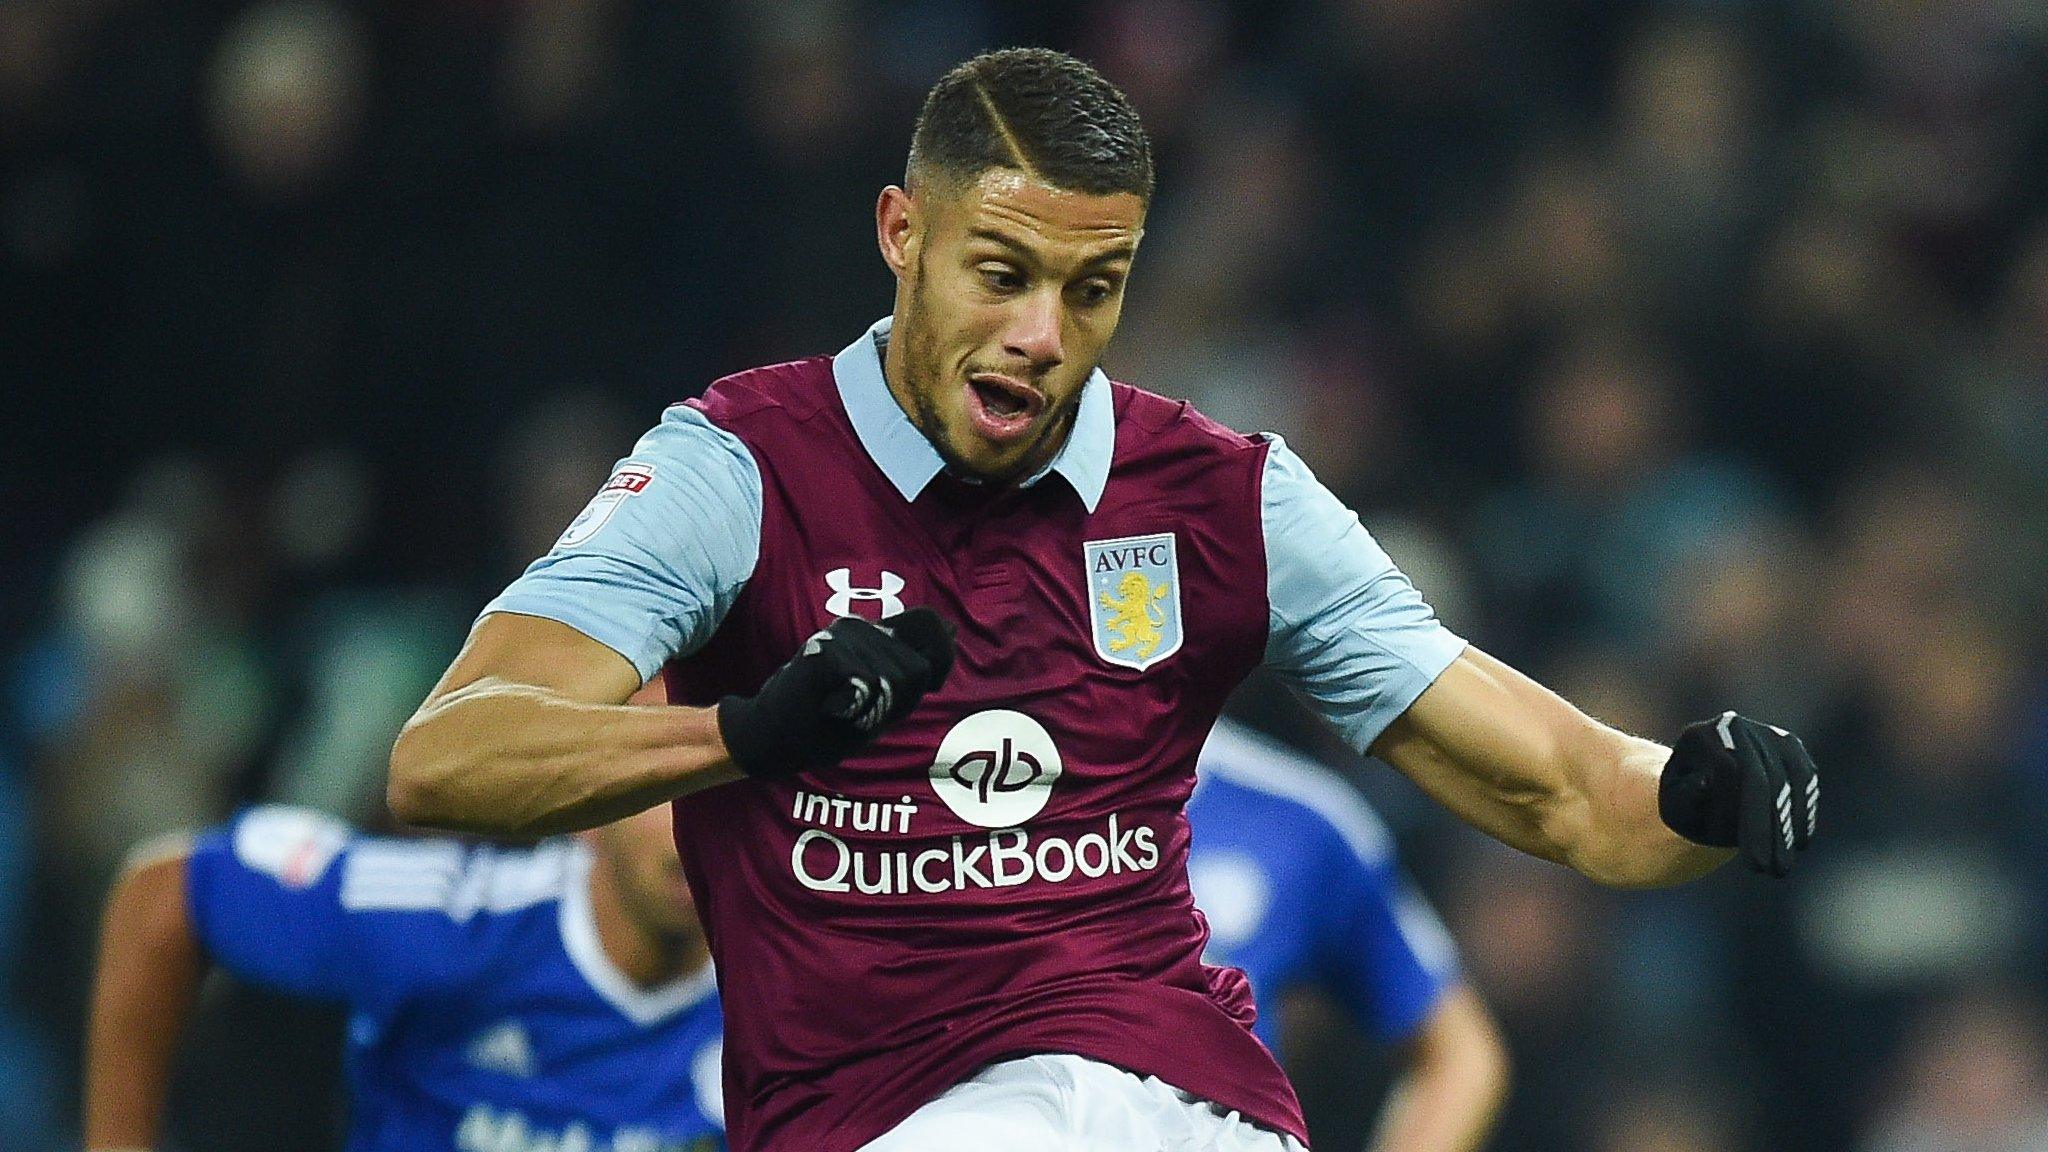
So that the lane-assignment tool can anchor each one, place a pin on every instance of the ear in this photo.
(898, 228)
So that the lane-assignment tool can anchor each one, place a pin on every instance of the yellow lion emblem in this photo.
(1134, 621)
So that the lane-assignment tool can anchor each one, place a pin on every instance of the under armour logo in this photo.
(845, 595)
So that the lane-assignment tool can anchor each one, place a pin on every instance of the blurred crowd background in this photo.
(1689, 354)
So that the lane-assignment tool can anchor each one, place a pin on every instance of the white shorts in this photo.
(1072, 1104)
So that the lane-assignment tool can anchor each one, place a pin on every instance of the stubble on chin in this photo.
(924, 403)
(923, 381)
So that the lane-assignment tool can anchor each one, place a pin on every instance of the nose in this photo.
(1034, 331)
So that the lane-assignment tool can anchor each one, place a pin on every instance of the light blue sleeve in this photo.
(651, 566)
(1347, 629)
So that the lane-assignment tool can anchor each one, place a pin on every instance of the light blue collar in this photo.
(910, 461)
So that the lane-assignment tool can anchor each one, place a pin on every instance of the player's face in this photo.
(1006, 292)
(640, 853)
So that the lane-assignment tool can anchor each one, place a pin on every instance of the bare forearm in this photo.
(502, 757)
(1517, 761)
(1455, 1082)
(1624, 841)
(149, 971)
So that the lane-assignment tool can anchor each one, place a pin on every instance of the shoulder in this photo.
(1177, 424)
(1293, 789)
(685, 470)
(798, 389)
(1290, 485)
(686, 454)
(293, 846)
(688, 445)
(310, 859)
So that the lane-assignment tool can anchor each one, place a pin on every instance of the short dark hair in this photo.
(1036, 110)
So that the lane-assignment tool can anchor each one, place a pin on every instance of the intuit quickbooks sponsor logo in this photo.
(995, 769)
(1003, 858)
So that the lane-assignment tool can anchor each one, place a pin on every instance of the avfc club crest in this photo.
(1134, 599)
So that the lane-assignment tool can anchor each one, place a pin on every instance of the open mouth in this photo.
(1002, 407)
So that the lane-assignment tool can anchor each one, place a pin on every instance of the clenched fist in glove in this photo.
(1734, 783)
(850, 681)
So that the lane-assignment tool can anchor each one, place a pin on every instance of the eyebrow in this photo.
(1124, 252)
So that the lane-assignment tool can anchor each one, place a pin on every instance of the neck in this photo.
(646, 956)
(896, 378)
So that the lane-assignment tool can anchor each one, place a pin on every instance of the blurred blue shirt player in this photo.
(492, 1005)
(1298, 879)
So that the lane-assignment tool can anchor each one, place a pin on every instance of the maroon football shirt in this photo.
(1004, 872)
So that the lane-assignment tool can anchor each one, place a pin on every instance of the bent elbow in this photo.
(406, 801)
(410, 789)
(433, 783)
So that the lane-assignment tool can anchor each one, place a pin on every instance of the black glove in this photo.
(1732, 782)
(848, 682)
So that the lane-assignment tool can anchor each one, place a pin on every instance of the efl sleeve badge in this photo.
(630, 479)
